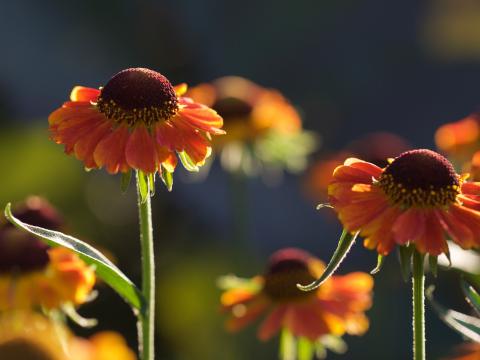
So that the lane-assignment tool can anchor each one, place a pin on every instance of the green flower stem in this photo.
(147, 319)
(418, 285)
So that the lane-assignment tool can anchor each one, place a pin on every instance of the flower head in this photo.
(337, 307)
(263, 128)
(418, 198)
(27, 335)
(138, 120)
(375, 148)
(460, 142)
(31, 274)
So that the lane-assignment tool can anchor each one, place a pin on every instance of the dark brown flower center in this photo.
(19, 251)
(287, 268)
(231, 108)
(23, 349)
(138, 95)
(420, 178)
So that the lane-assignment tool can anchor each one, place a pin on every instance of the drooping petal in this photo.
(272, 324)
(432, 241)
(110, 151)
(86, 145)
(459, 232)
(304, 321)
(244, 313)
(378, 234)
(409, 226)
(140, 151)
(462, 215)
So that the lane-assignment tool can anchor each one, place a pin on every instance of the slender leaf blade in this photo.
(380, 261)
(466, 325)
(167, 178)
(305, 349)
(344, 245)
(143, 186)
(105, 269)
(473, 297)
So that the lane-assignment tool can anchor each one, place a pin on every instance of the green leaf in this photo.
(104, 268)
(344, 244)
(433, 264)
(466, 325)
(287, 345)
(143, 185)
(305, 349)
(167, 178)
(380, 261)
(125, 182)
(405, 257)
(151, 184)
(187, 162)
(472, 295)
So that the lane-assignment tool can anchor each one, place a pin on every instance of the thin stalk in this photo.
(147, 319)
(418, 292)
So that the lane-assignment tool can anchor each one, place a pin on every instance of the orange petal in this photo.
(110, 151)
(203, 118)
(244, 314)
(304, 321)
(140, 151)
(180, 89)
(86, 94)
(86, 145)
(272, 324)
(365, 166)
(460, 233)
(432, 241)
(409, 226)
(166, 158)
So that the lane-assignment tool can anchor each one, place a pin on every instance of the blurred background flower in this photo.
(30, 336)
(376, 148)
(32, 275)
(335, 308)
(350, 68)
(264, 131)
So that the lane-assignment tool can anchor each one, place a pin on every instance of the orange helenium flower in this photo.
(27, 335)
(375, 148)
(248, 109)
(31, 274)
(335, 308)
(138, 120)
(467, 351)
(418, 198)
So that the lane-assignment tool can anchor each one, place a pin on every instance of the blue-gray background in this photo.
(351, 66)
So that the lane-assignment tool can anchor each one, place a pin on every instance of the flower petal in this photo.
(110, 151)
(140, 151)
(86, 145)
(409, 226)
(202, 117)
(272, 324)
(432, 241)
(86, 94)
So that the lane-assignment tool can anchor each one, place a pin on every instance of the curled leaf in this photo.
(104, 268)
(344, 244)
